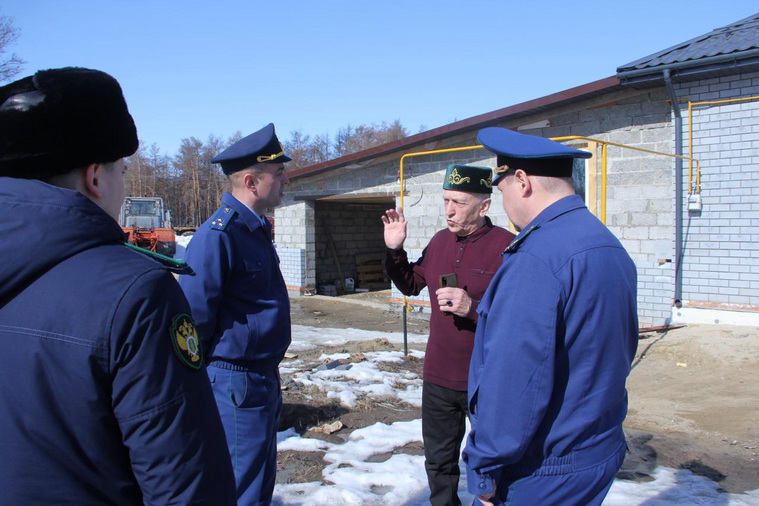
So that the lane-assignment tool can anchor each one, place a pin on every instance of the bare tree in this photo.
(351, 140)
(298, 148)
(390, 132)
(215, 179)
(344, 141)
(199, 183)
(306, 152)
(10, 65)
(148, 174)
(158, 163)
(187, 163)
(321, 149)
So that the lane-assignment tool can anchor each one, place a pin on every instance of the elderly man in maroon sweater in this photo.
(456, 267)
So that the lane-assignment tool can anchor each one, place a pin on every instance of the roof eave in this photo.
(688, 70)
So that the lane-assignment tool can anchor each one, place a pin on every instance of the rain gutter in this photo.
(750, 57)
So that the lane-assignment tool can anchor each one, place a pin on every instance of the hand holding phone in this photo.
(449, 281)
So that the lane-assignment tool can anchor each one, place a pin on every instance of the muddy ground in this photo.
(693, 395)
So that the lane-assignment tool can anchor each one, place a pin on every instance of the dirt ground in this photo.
(693, 395)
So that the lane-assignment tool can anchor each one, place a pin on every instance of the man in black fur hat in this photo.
(104, 397)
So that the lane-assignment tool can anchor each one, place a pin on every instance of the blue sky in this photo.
(194, 68)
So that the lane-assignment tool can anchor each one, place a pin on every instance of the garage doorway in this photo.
(350, 244)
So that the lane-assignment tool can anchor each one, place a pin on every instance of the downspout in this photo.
(677, 300)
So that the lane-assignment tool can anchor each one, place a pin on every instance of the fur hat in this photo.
(61, 119)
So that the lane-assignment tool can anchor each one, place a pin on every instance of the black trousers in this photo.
(444, 413)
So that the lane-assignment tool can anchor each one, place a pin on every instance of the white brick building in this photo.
(693, 234)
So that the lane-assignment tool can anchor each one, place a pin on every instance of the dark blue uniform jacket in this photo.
(239, 299)
(96, 405)
(557, 333)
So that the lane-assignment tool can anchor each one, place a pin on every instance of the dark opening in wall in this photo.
(350, 244)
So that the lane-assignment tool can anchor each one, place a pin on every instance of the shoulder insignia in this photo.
(176, 266)
(221, 218)
(184, 337)
(520, 239)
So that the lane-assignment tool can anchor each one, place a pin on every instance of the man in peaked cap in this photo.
(240, 303)
(557, 334)
(103, 393)
(456, 267)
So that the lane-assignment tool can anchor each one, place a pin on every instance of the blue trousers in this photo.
(250, 404)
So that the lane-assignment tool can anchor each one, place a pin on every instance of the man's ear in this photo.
(250, 180)
(524, 182)
(485, 207)
(92, 182)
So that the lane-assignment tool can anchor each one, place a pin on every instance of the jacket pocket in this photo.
(252, 345)
(253, 268)
(478, 281)
(473, 403)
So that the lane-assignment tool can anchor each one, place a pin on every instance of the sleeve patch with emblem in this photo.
(186, 342)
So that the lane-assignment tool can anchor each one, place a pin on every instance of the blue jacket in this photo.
(238, 297)
(556, 337)
(96, 404)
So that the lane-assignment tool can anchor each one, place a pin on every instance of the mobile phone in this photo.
(449, 280)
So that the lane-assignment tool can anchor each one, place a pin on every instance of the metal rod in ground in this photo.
(405, 334)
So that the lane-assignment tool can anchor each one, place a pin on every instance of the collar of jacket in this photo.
(550, 213)
(247, 217)
(477, 234)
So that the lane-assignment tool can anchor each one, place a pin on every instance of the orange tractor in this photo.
(148, 223)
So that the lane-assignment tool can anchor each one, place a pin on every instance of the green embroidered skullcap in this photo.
(468, 178)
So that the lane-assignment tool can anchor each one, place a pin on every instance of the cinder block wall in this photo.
(294, 240)
(354, 229)
(640, 190)
(721, 256)
(639, 200)
(292, 261)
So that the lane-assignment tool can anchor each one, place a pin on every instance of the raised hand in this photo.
(395, 228)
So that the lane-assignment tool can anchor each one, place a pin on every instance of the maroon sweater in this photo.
(474, 259)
